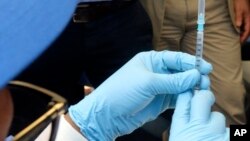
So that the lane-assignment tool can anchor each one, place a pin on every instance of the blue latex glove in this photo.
(194, 121)
(138, 92)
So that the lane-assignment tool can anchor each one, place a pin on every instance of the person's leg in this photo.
(171, 34)
(221, 48)
(173, 25)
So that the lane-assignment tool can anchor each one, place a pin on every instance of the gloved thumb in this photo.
(182, 110)
(201, 106)
(175, 83)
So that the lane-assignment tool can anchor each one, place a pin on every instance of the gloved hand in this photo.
(138, 92)
(194, 121)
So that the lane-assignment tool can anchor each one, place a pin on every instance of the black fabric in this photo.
(245, 51)
(109, 43)
(90, 11)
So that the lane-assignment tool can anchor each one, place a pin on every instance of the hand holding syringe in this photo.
(200, 36)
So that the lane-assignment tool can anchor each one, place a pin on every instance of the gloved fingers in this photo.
(153, 108)
(205, 82)
(181, 114)
(174, 83)
(182, 61)
(201, 106)
(218, 122)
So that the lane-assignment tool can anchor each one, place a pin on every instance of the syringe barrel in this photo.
(199, 49)
(198, 55)
(200, 37)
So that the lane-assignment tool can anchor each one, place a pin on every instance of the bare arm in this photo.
(242, 13)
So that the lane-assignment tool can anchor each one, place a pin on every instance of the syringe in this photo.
(200, 37)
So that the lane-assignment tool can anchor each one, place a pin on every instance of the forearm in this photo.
(71, 122)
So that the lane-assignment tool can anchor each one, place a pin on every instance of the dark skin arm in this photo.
(6, 113)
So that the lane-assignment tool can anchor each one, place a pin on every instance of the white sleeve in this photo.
(66, 132)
